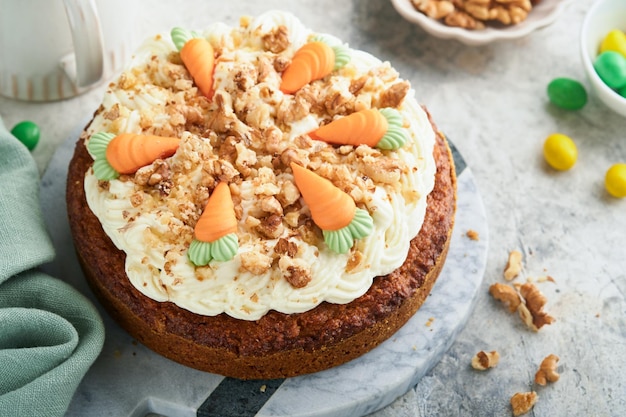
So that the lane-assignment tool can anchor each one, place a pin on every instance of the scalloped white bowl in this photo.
(541, 15)
(603, 16)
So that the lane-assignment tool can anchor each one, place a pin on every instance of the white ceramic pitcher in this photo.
(57, 49)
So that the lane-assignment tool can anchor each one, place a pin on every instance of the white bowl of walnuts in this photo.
(478, 22)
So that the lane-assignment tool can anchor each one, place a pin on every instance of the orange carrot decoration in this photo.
(215, 234)
(127, 152)
(218, 218)
(362, 127)
(314, 60)
(381, 128)
(332, 210)
(330, 207)
(199, 58)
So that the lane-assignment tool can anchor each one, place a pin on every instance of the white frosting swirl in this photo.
(156, 261)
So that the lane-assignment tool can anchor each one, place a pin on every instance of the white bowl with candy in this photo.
(603, 52)
(442, 19)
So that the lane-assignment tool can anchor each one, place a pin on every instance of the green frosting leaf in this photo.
(223, 249)
(180, 36)
(340, 241)
(97, 146)
(342, 56)
(396, 136)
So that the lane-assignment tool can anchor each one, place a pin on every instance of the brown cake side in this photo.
(277, 345)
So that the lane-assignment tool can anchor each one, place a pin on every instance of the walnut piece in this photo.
(433, 8)
(513, 265)
(547, 370)
(485, 360)
(531, 311)
(475, 14)
(459, 18)
(528, 302)
(523, 402)
(507, 295)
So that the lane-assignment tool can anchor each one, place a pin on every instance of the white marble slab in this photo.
(130, 380)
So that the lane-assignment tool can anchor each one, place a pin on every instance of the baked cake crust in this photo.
(277, 345)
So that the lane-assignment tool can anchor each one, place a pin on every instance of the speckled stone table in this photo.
(491, 101)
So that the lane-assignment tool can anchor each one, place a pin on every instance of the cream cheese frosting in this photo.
(247, 134)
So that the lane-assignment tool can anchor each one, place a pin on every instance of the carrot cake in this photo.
(260, 201)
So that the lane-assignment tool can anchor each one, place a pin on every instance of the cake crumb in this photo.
(485, 360)
(523, 402)
(430, 321)
(513, 265)
(263, 388)
(545, 278)
(472, 234)
(547, 370)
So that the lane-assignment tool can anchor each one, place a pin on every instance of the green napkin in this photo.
(50, 334)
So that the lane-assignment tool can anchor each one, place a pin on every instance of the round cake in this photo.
(260, 201)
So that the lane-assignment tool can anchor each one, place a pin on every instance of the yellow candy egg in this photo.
(615, 180)
(615, 41)
(560, 151)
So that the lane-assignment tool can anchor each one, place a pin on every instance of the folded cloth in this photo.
(50, 334)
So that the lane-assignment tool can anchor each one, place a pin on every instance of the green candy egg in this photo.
(567, 94)
(27, 132)
(611, 68)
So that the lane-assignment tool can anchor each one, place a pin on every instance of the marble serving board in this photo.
(130, 380)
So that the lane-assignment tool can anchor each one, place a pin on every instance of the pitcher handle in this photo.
(87, 38)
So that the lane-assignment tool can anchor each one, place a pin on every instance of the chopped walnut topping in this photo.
(271, 226)
(255, 262)
(394, 95)
(485, 360)
(153, 174)
(386, 171)
(531, 311)
(357, 84)
(286, 247)
(513, 266)
(354, 262)
(295, 271)
(547, 370)
(277, 40)
(136, 199)
(523, 402)
(113, 113)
